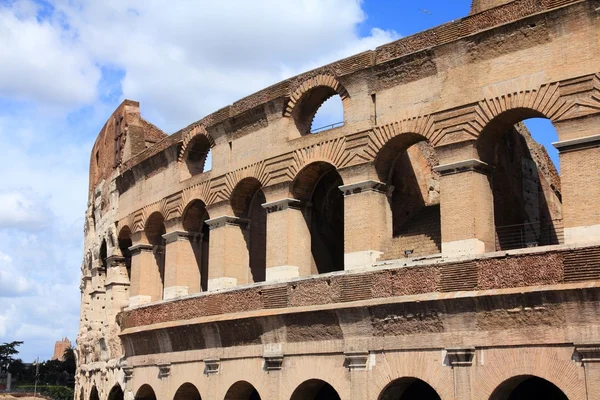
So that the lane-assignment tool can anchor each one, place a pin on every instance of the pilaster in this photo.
(182, 263)
(589, 354)
(466, 203)
(288, 240)
(579, 152)
(228, 253)
(461, 360)
(367, 222)
(145, 277)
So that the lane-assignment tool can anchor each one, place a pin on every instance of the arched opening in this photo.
(116, 393)
(94, 394)
(155, 229)
(316, 101)
(407, 163)
(246, 201)
(194, 219)
(409, 389)
(317, 185)
(242, 390)
(145, 392)
(527, 387)
(103, 254)
(329, 115)
(199, 155)
(524, 180)
(187, 391)
(315, 389)
(125, 243)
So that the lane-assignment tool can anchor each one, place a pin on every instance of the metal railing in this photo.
(531, 234)
(326, 127)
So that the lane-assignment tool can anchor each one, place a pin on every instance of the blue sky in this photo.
(66, 64)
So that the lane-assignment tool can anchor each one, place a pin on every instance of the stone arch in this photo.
(525, 387)
(188, 138)
(94, 393)
(145, 392)
(525, 184)
(242, 390)
(194, 219)
(124, 242)
(308, 97)
(426, 366)
(103, 254)
(116, 393)
(552, 364)
(406, 163)
(154, 231)
(246, 202)
(317, 186)
(187, 391)
(409, 388)
(315, 389)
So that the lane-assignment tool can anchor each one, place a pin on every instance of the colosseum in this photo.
(426, 248)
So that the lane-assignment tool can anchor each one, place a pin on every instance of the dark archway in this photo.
(525, 182)
(194, 221)
(406, 163)
(125, 243)
(318, 185)
(242, 390)
(198, 153)
(527, 387)
(103, 255)
(145, 392)
(409, 389)
(246, 201)
(155, 229)
(187, 391)
(315, 389)
(310, 103)
(116, 393)
(94, 394)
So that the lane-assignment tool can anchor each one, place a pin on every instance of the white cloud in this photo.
(185, 61)
(41, 62)
(181, 61)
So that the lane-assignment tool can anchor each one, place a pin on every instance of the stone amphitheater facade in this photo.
(425, 249)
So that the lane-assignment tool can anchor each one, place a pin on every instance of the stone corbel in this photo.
(463, 166)
(115, 260)
(460, 357)
(127, 373)
(212, 366)
(220, 222)
(356, 360)
(174, 236)
(273, 362)
(164, 369)
(588, 353)
(283, 204)
(367, 186)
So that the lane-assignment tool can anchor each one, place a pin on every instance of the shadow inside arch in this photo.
(525, 387)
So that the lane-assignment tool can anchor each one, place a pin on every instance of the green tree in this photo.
(7, 353)
(69, 362)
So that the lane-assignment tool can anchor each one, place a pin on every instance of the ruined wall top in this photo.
(478, 6)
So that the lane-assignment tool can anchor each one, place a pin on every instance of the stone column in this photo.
(228, 252)
(288, 240)
(580, 180)
(98, 295)
(367, 222)
(144, 273)
(466, 202)
(461, 360)
(589, 355)
(117, 286)
(182, 263)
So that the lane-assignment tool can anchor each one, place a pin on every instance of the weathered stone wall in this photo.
(428, 114)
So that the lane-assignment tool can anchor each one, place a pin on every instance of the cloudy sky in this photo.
(66, 64)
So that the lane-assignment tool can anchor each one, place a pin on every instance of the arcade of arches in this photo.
(421, 246)
(322, 211)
